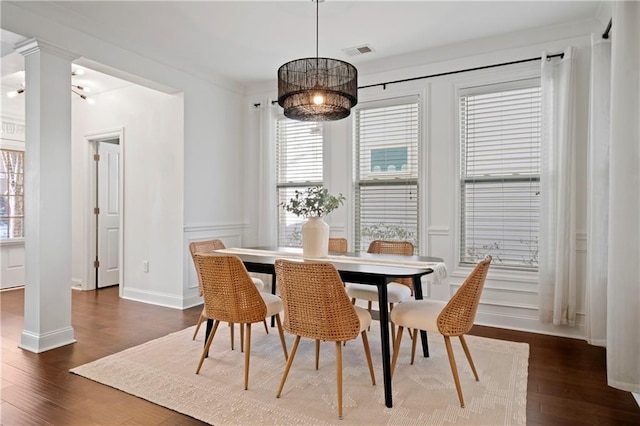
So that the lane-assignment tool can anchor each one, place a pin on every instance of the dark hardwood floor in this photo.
(567, 377)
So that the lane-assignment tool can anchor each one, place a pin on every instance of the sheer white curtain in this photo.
(267, 219)
(557, 260)
(623, 289)
(598, 191)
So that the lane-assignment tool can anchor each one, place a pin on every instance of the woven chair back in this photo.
(228, 291)
(206, 246)
(338, 245)
(315, 302)
(457, 317)
(403, 248)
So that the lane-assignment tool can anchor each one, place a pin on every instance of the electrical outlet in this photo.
(145, 265)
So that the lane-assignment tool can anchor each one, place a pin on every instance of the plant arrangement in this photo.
(313, 202)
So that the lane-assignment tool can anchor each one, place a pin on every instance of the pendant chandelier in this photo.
(317, 89)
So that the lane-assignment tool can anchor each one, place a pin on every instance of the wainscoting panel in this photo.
(231, 236)
(12, 270)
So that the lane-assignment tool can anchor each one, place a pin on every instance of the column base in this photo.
(38, 343)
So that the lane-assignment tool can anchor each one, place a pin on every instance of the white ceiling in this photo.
(246, 41)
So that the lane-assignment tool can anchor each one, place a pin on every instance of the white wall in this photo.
(509, 299)
(185, 166)
(152, 150)
(214, 174)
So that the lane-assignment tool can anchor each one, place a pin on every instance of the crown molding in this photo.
(31, 46)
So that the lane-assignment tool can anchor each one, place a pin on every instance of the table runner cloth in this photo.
(438, 275)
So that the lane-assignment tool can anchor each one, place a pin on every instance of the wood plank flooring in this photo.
(567, 377)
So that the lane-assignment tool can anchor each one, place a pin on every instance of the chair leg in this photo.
(454, 369)
(201, 319)
(393, 326)
(369, 309)
(353, 301)
(266, 328)
(414, 341)
(205, 351)
(285, 373)
(468, 354)
(281, 333)
(317, 353)
(339, 377)
(241, 337)
(367, 352)
(396, 349)
(231, 330)
(247, 354)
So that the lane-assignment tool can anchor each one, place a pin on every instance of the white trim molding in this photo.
(161, 299)
(38, 343)
(438, 230)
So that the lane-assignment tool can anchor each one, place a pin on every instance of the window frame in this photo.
(503, 81)
(413, 176)
(299, 185)
(12, 145)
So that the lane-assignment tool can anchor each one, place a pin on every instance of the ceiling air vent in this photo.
(358, 50)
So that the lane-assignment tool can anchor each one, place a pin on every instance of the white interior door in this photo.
(108, 217)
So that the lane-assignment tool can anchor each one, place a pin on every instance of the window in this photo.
(500, 174)
(12, 194)
(298, 166)
(386, 172)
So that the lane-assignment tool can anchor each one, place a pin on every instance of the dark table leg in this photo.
(417, 293)
(384, 340)
(273, 291)
(208, 332)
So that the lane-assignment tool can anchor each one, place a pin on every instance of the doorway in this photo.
(105, 243)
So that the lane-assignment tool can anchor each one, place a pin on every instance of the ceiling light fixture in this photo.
(15, 93)
(317, 89)
(75, 88)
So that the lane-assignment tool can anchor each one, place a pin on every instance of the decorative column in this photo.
(47, 193)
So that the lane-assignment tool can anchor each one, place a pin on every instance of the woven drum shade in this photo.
(317, 89)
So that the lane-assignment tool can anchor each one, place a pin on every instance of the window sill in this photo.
(12, 242)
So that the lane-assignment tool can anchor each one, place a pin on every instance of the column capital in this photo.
(33, 45)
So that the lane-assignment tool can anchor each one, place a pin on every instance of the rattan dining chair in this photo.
(397, 291)
(207, 246)
(454, 318)
(317, 307)
(230, 296)
(338, 245)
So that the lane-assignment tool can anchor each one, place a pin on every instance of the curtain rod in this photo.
(605, 34)
(384, 85)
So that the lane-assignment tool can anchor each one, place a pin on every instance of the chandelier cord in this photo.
(322, 90)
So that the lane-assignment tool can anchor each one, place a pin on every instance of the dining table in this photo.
(355, 267)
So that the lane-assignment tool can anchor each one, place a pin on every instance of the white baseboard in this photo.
(528, 324)
(161, 299)
(38, 343)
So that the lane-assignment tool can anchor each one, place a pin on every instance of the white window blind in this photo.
(386, 172)
(500, 174)
(298, 166)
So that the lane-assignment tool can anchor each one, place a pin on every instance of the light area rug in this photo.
(163, 371)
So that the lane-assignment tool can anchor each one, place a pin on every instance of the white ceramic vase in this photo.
(315, 238)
